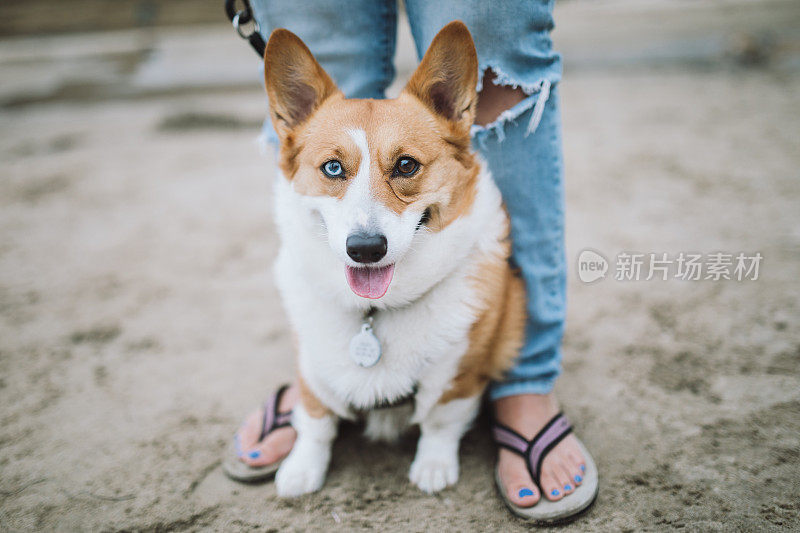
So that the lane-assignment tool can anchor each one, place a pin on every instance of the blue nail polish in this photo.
(525, 492)
(254, 454)
(555, 492)
(567, 488)
(578, 479)
(583, 468)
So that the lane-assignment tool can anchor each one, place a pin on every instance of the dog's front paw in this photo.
(300, 475)
(432, 474)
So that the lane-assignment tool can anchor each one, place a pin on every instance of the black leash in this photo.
(243, 18)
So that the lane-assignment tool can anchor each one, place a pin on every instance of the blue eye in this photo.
(333, 169)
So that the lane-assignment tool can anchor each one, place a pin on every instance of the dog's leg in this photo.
(436, 463)
(387, 424)
(305, 467)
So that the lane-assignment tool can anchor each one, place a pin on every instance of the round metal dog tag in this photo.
(365, 348)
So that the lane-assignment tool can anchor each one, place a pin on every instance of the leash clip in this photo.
(238, 26)
(241, 19)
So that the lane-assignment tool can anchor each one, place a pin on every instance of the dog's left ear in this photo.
(446, 78)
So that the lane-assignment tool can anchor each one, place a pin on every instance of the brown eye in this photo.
(406, 167)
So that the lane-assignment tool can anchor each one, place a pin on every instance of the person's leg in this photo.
(518, 133)
(355, 45)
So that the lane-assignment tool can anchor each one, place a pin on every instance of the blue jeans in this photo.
(355, 43)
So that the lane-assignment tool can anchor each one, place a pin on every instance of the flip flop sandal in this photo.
(545, 512)
(239, 471)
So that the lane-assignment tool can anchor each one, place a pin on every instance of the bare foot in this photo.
(563, 468)
(277, 444)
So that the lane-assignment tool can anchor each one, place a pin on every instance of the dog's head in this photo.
(377, 172)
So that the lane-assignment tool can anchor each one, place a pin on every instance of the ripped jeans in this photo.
(355, 43)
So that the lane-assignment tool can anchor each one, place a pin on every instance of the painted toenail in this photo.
(578, 479)
(254, 455)
(567, 488)
(525, 492)
(583, 468)
(555, 492)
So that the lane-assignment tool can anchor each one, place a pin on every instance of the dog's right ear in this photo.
(296, 83)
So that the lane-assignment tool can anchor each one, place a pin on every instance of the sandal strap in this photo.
(506, 437)
(272, 418)
(535, 450)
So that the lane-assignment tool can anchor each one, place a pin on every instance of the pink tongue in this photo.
(369, 282)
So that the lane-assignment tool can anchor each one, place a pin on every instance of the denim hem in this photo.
(499, 390)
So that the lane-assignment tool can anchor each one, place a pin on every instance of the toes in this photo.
(577, 474)
(566, 478)
(516, 481)
(272, 449)
(260, 455)
(552, 487)
(559, 480)
(577, 467)
(523, 495)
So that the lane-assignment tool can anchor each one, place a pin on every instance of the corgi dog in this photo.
(393, 265)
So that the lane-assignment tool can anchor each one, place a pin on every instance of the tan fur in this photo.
(296, 83)
(446, 78)
(497, 336)
(429, 122)
(313, 406)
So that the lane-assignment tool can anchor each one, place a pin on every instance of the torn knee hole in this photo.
(494, 99)
(502, 99)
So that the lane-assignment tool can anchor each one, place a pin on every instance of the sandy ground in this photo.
(139, 322)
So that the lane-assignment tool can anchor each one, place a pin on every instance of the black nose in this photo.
(366, 248)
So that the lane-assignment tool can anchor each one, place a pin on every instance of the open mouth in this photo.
(369, 282)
